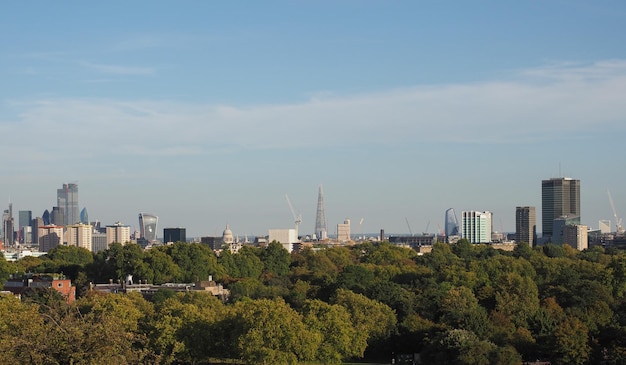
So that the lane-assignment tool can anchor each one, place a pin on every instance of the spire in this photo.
(320, 219)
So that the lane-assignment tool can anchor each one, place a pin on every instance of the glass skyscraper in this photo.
(148, 226)
(559, 197)
(67, 200)
(451, 223)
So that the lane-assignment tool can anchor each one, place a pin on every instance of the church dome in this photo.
(227, 236)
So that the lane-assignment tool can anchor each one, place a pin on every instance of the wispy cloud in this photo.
(540, 104)
(117, 69)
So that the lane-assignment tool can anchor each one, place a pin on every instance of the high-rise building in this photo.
(559, 197)
(36, 223)
(476, 226)
(525, 225)
(57, 217)
(25, 218)
(46, 218)
(49, 237)
(84, 216)
(451, 223)
(79, 235)
(148, 226)
(174, 235)
(343, 231)
(8, 227)
(576, 236)
(321, 230)
(117, 233)
(67, 200)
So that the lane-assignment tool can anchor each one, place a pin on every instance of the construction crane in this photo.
(408, 225)
(618, 221)
(358, 229)
(297, 218)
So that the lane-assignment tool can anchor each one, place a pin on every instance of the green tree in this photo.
(275, 259)
(372, 320)
(159, 267)
(270, 332)
(334, 325)
(196, 261)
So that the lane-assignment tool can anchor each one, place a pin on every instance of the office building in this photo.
(67, 200)
(25, 218)
(576, 236)
(117, 233)
(46, 218)
(49, 237)
(148, 227)
(84, 216)
(559, 197)
(174, 235)
(79, 235)
(476, 226)
(451, 223)
(57, 217)
(559, 227)
(8, 227)
(525, 225)
(321, 230)
(35, 224)
(343, 231)
(98, 241)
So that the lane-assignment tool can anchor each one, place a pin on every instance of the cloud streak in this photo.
(538, 104)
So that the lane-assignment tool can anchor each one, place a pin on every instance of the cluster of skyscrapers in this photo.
(560, 220)
(68, 225)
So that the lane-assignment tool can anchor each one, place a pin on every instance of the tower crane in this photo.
(297, 218)
(618, 221)
(408, 225)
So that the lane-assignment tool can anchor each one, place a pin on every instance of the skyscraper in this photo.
(321, 230)
(451, 223)
(67, 200)
(148, 226)
(559, 197)
(174, 235)
(476, 226)
(8, 226)
(84, 216)
(525, 225)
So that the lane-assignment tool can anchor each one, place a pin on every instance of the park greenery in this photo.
(459, 304)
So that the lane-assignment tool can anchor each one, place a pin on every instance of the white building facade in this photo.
(476, 227)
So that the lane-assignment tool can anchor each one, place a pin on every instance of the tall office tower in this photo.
(8, 227)
(559, 197)
(79, 235)
(148, 226)
(35, 224)
(118, 233)
(46, 218)
(451, 223)
(49, 237)
(174, 235)
(343, 231)
(525, 225)
(84, 216)
(25, 218)
(67, 200)
(320, 218)
(476, 226)
(576, 236)
(57, 217)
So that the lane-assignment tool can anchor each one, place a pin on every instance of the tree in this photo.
(275, 259)
(270, 332)
(196, 261)
(371, 319)
(334, 325)
(159, 267)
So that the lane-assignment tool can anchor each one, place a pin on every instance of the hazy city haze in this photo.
(207, 114)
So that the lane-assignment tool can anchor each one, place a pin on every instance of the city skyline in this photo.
(207, 114)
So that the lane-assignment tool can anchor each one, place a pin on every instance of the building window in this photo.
(60, 285)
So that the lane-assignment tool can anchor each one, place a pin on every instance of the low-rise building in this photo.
(20, 284)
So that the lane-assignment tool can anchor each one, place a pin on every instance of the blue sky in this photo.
(208, 113)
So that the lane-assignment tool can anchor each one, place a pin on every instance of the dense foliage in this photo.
(459, 304)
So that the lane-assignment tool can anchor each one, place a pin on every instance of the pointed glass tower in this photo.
(321, 232)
